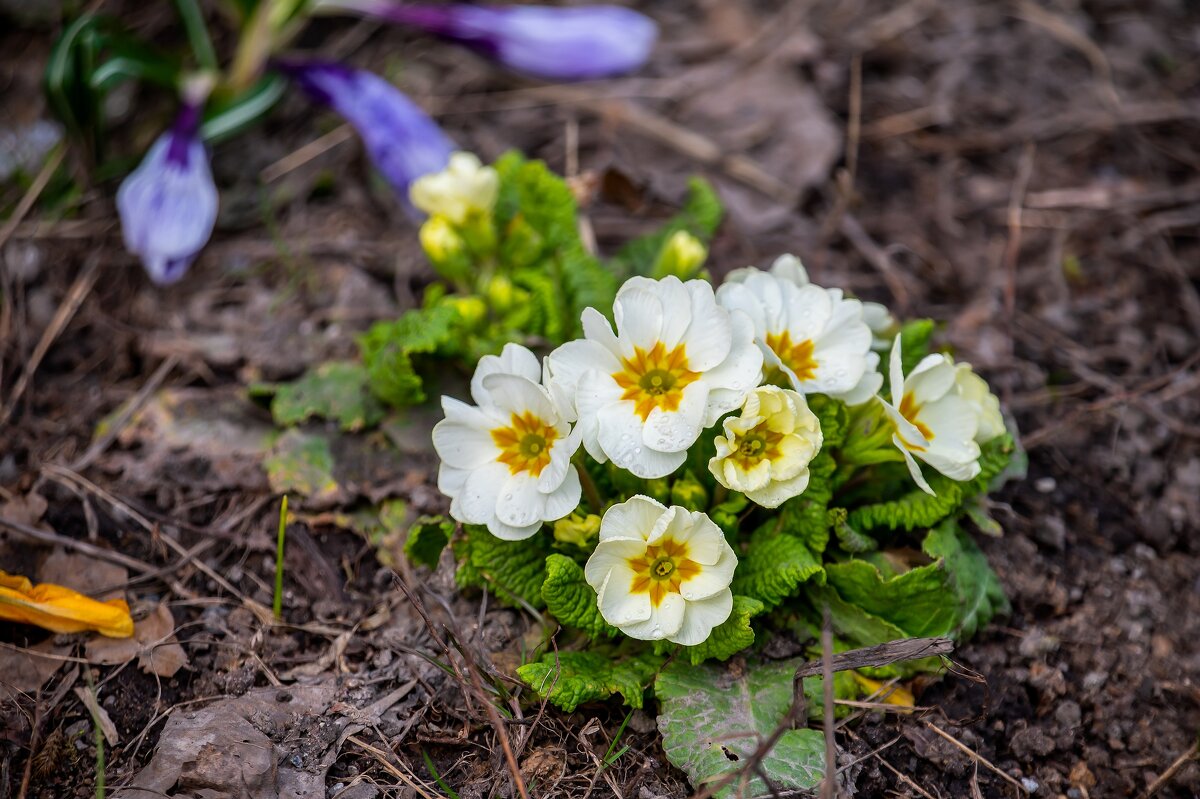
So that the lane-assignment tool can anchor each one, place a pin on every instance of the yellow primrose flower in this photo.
(974, 389)
(60, 609)
(463, 188)
(932, 422)
(766, 450)
(440, 240)
(661, 573)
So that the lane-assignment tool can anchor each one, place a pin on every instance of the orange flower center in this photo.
(798, 357)
(752, 447)
(655, 378)
(525, 444)
(909, 410)
(661, 570)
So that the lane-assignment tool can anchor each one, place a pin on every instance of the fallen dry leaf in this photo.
(153, 644)
(100, 715)
(23, 671)
(221, 750)
(61, 610)
(97, 578)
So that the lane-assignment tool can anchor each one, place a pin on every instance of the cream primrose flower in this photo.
(766, 450)
(661, 572)
(816, 337)
(677, 363)
(463, 188)
(932, 421)
(507, 462)
(974, 389)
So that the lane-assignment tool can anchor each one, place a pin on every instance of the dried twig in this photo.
(1172, 770)
(978, 758)
(31, 194)
(881, 655)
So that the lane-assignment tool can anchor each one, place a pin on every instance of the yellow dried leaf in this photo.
(896, 694)
(60, 609)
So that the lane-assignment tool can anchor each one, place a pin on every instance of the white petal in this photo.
(563, 499)
(809, 309)
(914, 468)
(664, 621)
(450, 480)
(518, 395)
(555, 471)
(639, 316)
(737, 297)
(510, 533)
(481, 491)
(680, 314)
(777, 492)
(709, 337)
(633, 518)
(520, 503)
(896, 373)
(610, 555)
(617, 604)
(712, 578)
(596, 328)
(737, 375)
(788, 267)
(931, 380)
(620, 437)
(701, 617)
(463, 447)
(513, 360)
(675, 431)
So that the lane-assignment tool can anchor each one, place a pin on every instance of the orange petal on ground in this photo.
(60, 609)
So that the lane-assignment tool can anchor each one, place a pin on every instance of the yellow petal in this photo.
(60, 609)
(896, 694)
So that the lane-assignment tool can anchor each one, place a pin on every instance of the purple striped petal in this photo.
(168, 205)
(560, 44)
(401, 140)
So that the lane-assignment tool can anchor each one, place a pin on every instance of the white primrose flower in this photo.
(463, 188)
(661, 572)
(507, 463)
(766, 450)
(786, 267)
(677, 363)
(815, 336)
(974, 389)
(883, 325)
(933, 422)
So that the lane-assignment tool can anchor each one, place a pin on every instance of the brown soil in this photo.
(1025, 172)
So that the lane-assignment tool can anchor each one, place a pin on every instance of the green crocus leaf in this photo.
(571, 600)
(774, 566)
(337, 390)
(427, 538)
(977, 589)
(713, 718)
(569, 679)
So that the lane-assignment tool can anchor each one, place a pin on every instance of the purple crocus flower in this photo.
(402, 141)
(561, 44)
(168, 205)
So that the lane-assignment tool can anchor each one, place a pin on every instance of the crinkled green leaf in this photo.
(335, 390)
(513, 570)
(834, 417)
(569, 679)
(807, 516)
(921, 601)
(774, 566)
(427, 538)
(571, 600)
(713, 718)
(848, 538)
(978, 590)
(729, 637)
(300, 463)
(916, 509)
(854, 627)
(387, 350)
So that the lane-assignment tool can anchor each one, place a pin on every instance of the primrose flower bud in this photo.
(500, 293)
(689, 492)
(559, 44)
(168, 205)
(471, 310)
(465, 187)
(579, 529)
(401, 140)
(682, 256)
(445, 248)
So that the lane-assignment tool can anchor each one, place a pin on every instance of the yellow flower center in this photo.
(525, 444)
(655, 378)
(798, 357)
(909, 410)
(661, 570)
(759, 443)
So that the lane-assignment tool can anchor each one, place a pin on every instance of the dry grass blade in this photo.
(1172, 770)
(409, 779)
(881, 655)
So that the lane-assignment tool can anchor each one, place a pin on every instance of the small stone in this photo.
(1030, 784)
(1037, 643)
(1068, 714)
(1094, 680)
(1030, 743)
(1045, 485)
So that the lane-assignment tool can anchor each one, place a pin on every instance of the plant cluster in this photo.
(695, 471)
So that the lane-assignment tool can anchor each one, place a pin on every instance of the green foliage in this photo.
(713, 719)
(848, 538)
(335, 390)
(774, 566)
(387, 350)
(569, 679)
(807, 516)
(916, 509)
(514, 570)
(977, 589)
(914, 338)
(834, 417)
(302, 464)
(919, 601)
(571, 600)
(728, 638)
(427, 538)
(700, 216)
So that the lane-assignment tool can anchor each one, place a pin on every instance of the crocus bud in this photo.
(401, 140)
(168, 205)
(561, 44)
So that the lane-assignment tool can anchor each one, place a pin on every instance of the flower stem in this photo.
(589, 486)
(720, 494)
